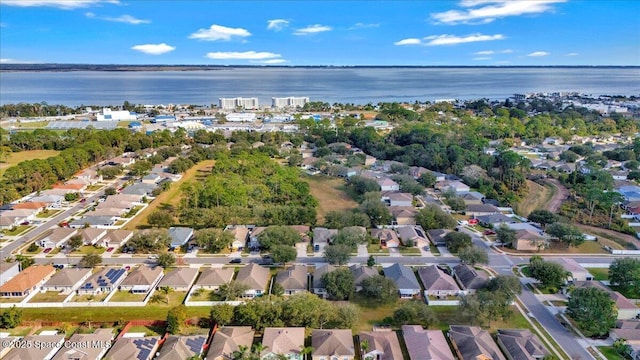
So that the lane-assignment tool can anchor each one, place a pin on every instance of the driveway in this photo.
(302, 249)
(362, 250)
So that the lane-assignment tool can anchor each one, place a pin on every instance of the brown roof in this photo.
(30, 205)
(215, 276)
(28, 278)
(385, 341)
(294, 278)
(331, 342)
(426, 344)
(283, 340)
(254, 276)
(474, 343)
(143, 275)
(69, 186)
(229, 339)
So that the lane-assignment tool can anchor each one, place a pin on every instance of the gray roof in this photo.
(361, 272)
(496, 219)
(93, 221)
(294, 278)
(179, 277)
(437, 235)
(323, 235)
(318, 273)
(434, 278)
(142, 348)
(142, 275)
(484, 208)
(99, 336)
(411, 232)
(180, 235)
(215, 277)
(254, 276)
(469, 277)
(426, 344)
(68, 277)
(402, 276)
(35, 352)
(139, 189)
(181, 347)
(330, 342)
(474, 343)
(228, 339)
(521, 344)
(383, 341)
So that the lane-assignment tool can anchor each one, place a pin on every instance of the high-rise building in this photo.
(232, 103)
(288, 102)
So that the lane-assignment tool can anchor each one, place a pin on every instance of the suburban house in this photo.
(426, 344)
(179, 279)
(381, 345)
(413, 234)
(90, 175)
(56, 238)
(66, 281)
(360, 273)
(142, 279)
(578, 273)
(470, 279)
(240, 237)
(527, 240)
(255, 277)
(8, 270)
(71, 186)
(105, 280)
(182, 347)
(318, 286)
(332, 344)
(398, 199)
(521, 344)
(293, 280)
(626, 309)
(437, 236)
(473, 343)
(91, 236)
(254, 238)
(94, 221)
(30, 205)
(115, 238)
(322, 237)
(180, 236)
(387, 184)
(27, 281)
(403, 215)
(228, 339)
(287, 341)
(49, 345)
(481, 210)
(388, 238)
(494, 220)
(404, 278)
(437, 283)
(138, 348)
(472, 198)
(152, 179)
(141, 189)
(630, 331)
(98, 337)
(53, 201)
(213, 278)
(452, 185)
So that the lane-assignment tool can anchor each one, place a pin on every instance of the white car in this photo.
(153, 257)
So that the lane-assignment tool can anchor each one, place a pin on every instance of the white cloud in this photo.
(312, 29)
(247, 55)
(271, 61)
(485, 52)
(481, 58)
(277, 24)
(446, 39)
(538, 54)
(61, 4)
(14, 61)
(127, 19)
(154, 49)
(572, 54)
(360, 25)
(486, 11)
(218, 32)
(410, 41)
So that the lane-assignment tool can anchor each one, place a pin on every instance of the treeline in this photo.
(80, 148)
(34, 110)
(247, 187)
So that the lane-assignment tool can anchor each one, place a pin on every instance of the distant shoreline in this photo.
(133, 68)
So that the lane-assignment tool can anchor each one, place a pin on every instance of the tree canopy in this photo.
(593, 311)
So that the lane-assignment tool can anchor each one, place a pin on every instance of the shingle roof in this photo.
(294, 278)
(179, 277)
(27, 279)
(426, 344)
(35, 352)
(215, 277)
(473, 343)
(362, 272)
(254, 276)
(332, 342)
(181, 347)
(229, 339)
(469, 277)
(521, 344)
(385, 342)
(318, 273)
(142, 275)
(434, 278)
(283, 340)
(99, 336)
(402, 276)
(68, 277)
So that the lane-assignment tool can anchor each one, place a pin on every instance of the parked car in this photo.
(489, 232)
(24, 223)
(47, 250)
(235, 261)
(152, 257)
(109, 249)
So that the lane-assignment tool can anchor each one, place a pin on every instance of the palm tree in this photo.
(305, 350)
(242, 353)
(165, 290)
(257, 350)
(364, 346)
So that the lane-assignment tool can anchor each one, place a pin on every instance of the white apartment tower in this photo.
(288, 102)
(233, 103)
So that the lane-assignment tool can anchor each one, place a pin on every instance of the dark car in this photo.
(235, 261)
(489, 232)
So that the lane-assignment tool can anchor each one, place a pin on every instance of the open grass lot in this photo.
(49, 296)
(20, 229)
(95, 187)
(409, 251)
(88, 249)
(599, 274)
(588, 247)
(105, 314)
(15, 158)
(48, 213)
(537, 198)
(171, 196)
(610, 353)
(127, 296)
(330, 194)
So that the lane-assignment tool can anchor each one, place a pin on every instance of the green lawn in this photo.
(122, 295)
(376, 250)
(175, 298)
(18, 230)
(89, 298)
(15, 158)
(526, 271)
(88, 249)
(409, 251)
(100, 314)
(610, 353)
(147, 330)
(95, 187)
(48, 213)
(49, 296)
(5, 300)
(599, 274)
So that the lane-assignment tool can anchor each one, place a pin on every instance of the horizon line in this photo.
(316, 65)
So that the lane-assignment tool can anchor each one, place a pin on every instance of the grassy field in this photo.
(49, 296)
(15, 158)
(537, 197)
(588, 247)
(126, 296)
(610, 353)
(599, 274)
(105, 314)
(330, 195)
(171, 196)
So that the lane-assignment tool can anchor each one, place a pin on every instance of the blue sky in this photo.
(464, 32)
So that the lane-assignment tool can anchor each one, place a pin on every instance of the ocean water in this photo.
(343, 85)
